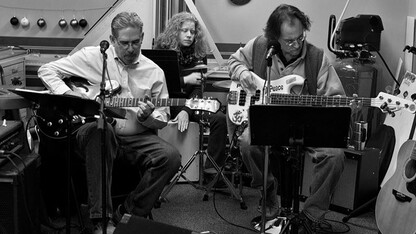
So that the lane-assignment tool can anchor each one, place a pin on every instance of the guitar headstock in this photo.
(391, 103)
(204, 104)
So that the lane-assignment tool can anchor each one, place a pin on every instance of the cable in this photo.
(216, 210)
(331, 43)
(397, 91)
(6, 152)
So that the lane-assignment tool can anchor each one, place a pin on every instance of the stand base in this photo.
(291, 223)
(201, 154)
(273, 226)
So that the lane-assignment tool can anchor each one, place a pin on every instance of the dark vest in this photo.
(313, 62)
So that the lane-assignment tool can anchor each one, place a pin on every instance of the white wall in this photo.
(52, 11)
(226, 22)
(102, 31)
(229, 23)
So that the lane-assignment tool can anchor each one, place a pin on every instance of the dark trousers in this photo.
(157, 161)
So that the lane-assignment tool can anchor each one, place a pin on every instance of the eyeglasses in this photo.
(125, 44)
(185, 30)
(299, 40)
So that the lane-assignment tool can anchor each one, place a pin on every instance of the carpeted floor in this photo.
(222, 213)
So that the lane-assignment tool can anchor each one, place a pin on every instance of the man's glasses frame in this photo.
(125, 44)
(299, 40)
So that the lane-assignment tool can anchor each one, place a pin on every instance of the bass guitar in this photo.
(396, 201)
(239, 101)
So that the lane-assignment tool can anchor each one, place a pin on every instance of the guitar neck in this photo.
(134, 102)
(314, 100)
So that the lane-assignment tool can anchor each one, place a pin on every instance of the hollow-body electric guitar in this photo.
(54, 124)
(112, 88)
(239, 100)
(396, 201)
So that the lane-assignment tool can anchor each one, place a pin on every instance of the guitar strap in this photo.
(313, 62)
(412, 131)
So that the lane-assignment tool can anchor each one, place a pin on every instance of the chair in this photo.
(384, 139)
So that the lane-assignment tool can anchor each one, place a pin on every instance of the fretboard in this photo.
(314, 100)
(133, 102)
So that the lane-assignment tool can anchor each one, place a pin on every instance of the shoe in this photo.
(314, 226)
(118, 214)
(121, 211)
(98, 228)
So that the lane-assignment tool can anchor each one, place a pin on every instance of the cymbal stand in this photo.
(226, 180)
(201, 154)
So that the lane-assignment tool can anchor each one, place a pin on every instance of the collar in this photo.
(301, 56)
(113, 52)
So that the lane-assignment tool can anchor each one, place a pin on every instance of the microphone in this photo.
(272, 51)
(104, 44)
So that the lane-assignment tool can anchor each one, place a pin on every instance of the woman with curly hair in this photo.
(184, 35)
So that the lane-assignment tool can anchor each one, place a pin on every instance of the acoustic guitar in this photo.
(239, 100)
(396, 201)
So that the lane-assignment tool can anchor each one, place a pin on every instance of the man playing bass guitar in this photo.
(284, 42)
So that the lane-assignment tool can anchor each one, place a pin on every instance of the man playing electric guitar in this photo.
(284, 43)
(134, 138)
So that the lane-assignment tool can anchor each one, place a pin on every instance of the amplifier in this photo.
(358, 183)
(20, 195)
(12, 138)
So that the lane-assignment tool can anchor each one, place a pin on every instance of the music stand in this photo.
(169, 62)
(68, 106)
(298, 127)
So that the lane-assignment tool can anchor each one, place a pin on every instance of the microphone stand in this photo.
(101, 126)
(266, 154)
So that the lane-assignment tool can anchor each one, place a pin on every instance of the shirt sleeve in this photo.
(161, 115)
(54, 72)
(241, 60)
(329, 83)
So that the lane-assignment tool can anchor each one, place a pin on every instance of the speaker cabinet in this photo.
(131, 224)
(20, 195)
(358, 183)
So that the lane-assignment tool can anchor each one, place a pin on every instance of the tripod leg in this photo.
(294, 222)
(359, 210)
(229, 184)
(178, 176)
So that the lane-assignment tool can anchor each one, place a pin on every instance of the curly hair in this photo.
(281, 14)
(169, 38)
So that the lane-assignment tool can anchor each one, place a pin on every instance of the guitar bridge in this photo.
(401, 196)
